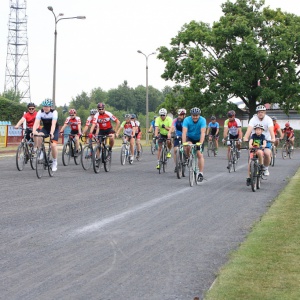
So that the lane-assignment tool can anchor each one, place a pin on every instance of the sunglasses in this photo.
(71, 115)
(100, 108)
(31, 108)
(162, 115)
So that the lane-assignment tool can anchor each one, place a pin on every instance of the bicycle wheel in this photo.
(291, 151)
(161, 160)
(210, 150)
(153, 148)
(20, 157)
(107, 163)
(234, 161)
(32, 158)
(258, 181)
(77, 156)
(165, 160)
(138, 158)
(178, 163)
(123, 154)
(253, 175)
(284, 151)
(97, 159)
(230, 160)
(49, 163)
(183, 163)
(272, 162)
(86, 157)
(40, 163)
(66, 154)
(191, 171)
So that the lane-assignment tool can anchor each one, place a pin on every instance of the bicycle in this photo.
(69, 151)
(163, 160)
(125, 150)
(233, 155)
(100, 155)
(25, 153)
(153, 146)
(256, 172)
(273, 155)
(193, 164)
(138, 157)
(287, 150)
(181, 161)
(87, 154)
(211, 146)
(44, 157)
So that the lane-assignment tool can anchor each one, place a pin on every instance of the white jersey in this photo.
(266, 122)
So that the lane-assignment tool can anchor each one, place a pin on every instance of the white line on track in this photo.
(96, 226)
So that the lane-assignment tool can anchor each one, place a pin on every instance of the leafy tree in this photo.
(12, 95)
(98, 95)
(11, 110)
(251, 53)
(81, 100)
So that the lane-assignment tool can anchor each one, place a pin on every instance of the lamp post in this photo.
(56, 20)
(147, 100)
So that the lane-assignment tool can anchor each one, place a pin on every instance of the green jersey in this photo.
(167, 122)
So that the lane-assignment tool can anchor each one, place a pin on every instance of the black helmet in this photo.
(213, 118)
(30, 104)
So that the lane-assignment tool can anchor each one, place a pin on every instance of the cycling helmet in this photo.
(93, 111)
(47, 102)
(195, 111)
(30, 104)
(274, 118)
(133, 116)
(287, 124)
(72, 111)
(163, 112)
(181, 111)
(261, 126)
(127, 116)
(100, 105)
(231, 113)
(260, 108)
(213, 118)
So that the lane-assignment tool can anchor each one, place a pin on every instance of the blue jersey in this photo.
(213, 127)
(194, 129)
(178, 126)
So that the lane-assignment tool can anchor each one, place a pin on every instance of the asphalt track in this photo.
(128, 234)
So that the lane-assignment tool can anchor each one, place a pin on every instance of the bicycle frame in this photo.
(193, 163)
(256, 173)
(233, 155)
(163, 155)
(100, 154)
(46, 161)
(24, 154)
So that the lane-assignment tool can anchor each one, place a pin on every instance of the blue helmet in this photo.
(133, 116)
(47, 102)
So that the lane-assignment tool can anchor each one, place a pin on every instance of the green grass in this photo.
(267, 264)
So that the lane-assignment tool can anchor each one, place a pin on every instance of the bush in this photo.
(11, 110)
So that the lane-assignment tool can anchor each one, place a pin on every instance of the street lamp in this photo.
(147, 100)
(56, 19)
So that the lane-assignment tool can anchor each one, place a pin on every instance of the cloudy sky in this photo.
(101, 51)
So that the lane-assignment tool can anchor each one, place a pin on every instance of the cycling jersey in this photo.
(288, 131)
(74, 123)
(194, 129)
(104, 120)
(30, 118)
(233, 126)
(177, 123)
(167, 122)
(276, 128)
(128, 127)
(257, 140)
(47, 118)
(266, 122)
(213, 127)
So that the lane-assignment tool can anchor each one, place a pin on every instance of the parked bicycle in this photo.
(87, 153)
(25, 153)
(256, 172)
(125, 151)
(100, 155)
(69, 150)
(44, 157)
(163, 160)
(181, 160)
(233, 155)
(193, 164)
(287, 150)
(211, 146)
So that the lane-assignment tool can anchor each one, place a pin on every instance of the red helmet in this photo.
(100, 105)
(72, 111)
(231, 113)
(287, 124)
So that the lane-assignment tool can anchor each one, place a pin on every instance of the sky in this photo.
(101, 51)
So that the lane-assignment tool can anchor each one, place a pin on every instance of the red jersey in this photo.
(276, 127)
(74, 123)
(30, 118)
(104, 120)
(288, 131)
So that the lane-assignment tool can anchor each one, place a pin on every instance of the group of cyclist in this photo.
(261, 132)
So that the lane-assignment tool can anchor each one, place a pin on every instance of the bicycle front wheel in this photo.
(153, 148)
(230, 160)
(272, 163)
(234, 161)
(40, 163)
(165, 160)
(66, 154)
(77, 156)
(106, 162)
(253, 175)
(20, 157)
(86, 157)
(291, 151)
(210, 148)
(32, 158)
(191, 170)
(49, 163)
(123, 155)
(97, 159)
(139, 157)
(284, 151)
(178, 164)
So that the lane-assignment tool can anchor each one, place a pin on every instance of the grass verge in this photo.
(267, 264)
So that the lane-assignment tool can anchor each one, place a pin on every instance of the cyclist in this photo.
(177, 129)
(288, 131)
(266, 121)
(163, 124)
(103, 118)
(232, 131)
(193, 131)
(277, 132)
(49, 117)
(213, 129)
(88, 123)
(29, 117)
(75, 123)
(128, 127)
(138, 134)
(152, 125)
(257, 141)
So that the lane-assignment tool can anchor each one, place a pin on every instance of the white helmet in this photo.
(261, 126)
(162, 111)
(260, 108)
(181, 111)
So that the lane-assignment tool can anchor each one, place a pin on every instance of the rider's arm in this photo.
(271, 130)
(207, 131)
(264, 145)
(240, 133)
(202, 136)
(248, 132)
(117, 124)
(53, 125)
(21, 121)
(63, 128)
(36, 125)
(250, 144)
(225, 133)
(184, 132)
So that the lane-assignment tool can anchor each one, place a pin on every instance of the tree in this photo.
(98, 95)
(81, 100)
(12, 95)
(251, 53)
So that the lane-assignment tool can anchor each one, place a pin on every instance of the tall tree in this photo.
(98, 95)
(81, 100)
(251, 53)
